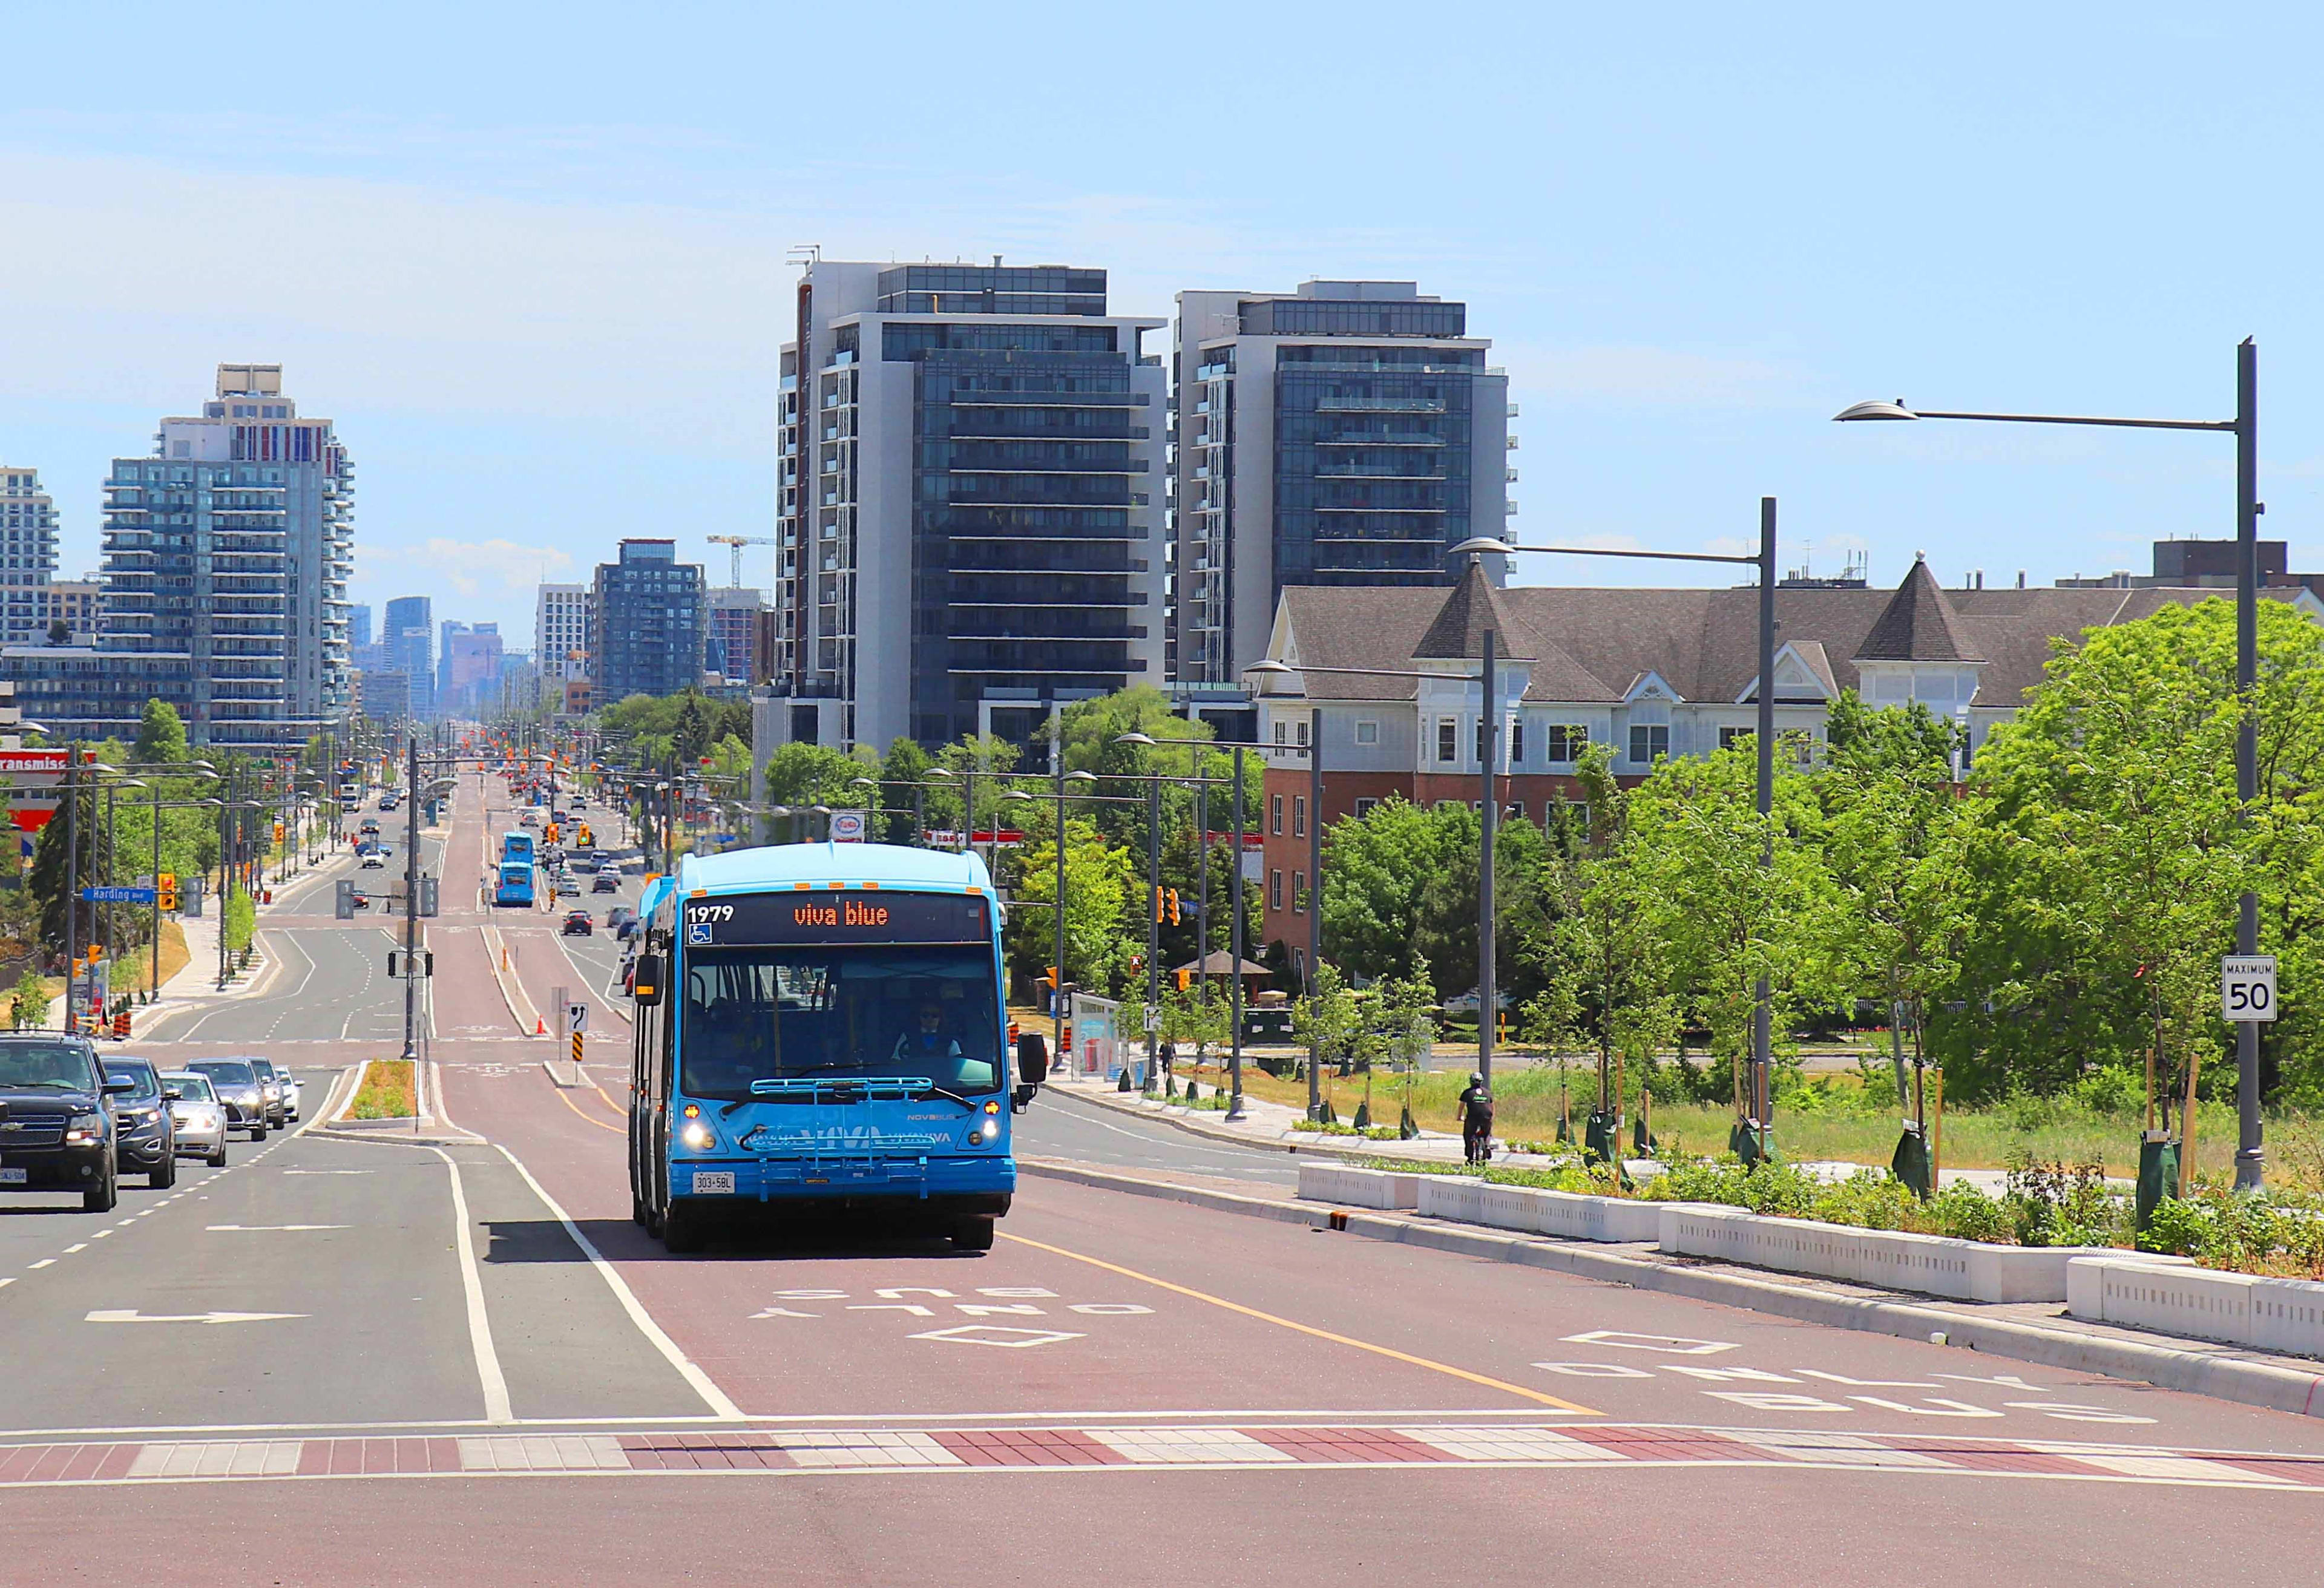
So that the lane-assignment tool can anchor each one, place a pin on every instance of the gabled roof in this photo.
(1458, 629)
(1589, 644)
(1918, 624)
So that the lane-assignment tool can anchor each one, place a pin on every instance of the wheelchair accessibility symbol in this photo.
(697, 933)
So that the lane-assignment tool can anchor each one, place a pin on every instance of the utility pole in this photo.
(72, 881)
(1488, 740)
(1234, 892)
(411, 900)
(1314, 897)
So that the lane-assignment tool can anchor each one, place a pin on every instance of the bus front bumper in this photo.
(963, 1183)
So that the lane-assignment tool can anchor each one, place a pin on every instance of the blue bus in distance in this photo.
(513, 885)
(517, 845)
(822, 1025)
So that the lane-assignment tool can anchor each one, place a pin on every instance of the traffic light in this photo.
(1161, 905)
(165, 890)
(278, 832)
(1185, 978)
(1174, 907)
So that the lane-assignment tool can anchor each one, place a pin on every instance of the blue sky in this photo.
(532, 259)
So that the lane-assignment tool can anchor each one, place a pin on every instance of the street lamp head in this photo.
(1080, 778)
(1144, 741)
(861, 783)
(1269, 668)
(1017, 794)
(1862, 410)
(1483, 546)
(945, 772)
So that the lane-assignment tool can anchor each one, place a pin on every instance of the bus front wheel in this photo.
(681, 1229)
(972, 1234)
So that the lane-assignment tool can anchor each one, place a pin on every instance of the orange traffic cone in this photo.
(539, 1027)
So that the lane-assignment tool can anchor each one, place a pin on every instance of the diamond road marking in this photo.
(1676, 1345)
(2177, 1466)
(1508, 1444)
(813, 1449)
(993, 1334)
(540, 1453)
(1183, 1446)
(258, 1458)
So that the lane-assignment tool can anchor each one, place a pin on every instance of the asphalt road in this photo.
(427, 1325)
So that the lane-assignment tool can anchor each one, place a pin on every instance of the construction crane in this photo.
(734, 544)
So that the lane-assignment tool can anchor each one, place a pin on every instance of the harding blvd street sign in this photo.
(2248, 987)
(116, 895)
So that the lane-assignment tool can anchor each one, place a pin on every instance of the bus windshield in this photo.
(837, 1012)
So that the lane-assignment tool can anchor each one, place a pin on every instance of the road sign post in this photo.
(2248, 987)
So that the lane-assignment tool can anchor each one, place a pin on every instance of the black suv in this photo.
(56, 1121)
(145, 1132)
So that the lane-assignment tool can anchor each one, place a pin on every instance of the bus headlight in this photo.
(990, 1131)
(698, 1136)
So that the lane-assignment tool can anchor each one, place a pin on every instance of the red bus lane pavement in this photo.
(1098, 1303)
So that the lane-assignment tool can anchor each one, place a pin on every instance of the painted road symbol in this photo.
(130, 1315)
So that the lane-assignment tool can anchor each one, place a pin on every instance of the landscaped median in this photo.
(1897, 1260)
(385, 1092)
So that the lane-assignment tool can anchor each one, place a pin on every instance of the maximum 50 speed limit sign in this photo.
(2247, 986)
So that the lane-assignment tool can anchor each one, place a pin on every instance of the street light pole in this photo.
(2250, 1154)
(1234, 938)
(411, 899)
(1489, 720)
(1314, 896)
(1057, 988)
(1763, 1007)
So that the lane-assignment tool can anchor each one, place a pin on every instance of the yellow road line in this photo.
(589, 1119)
(1269, 1317)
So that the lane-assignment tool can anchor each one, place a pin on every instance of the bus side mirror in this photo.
(645, 979)
(1032, 1057)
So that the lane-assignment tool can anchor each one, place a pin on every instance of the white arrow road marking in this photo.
(130, 1315)
(269, 1229)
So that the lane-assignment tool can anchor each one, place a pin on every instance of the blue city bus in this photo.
(823, 1025)
(517, 845)
(514, 886)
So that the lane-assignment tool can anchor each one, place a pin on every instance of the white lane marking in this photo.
(130, 1315)
(100, 1235)
(327, 1171)
(723, 1409)
(76, 1246)
(42, 1263)
(8, 1282)
(472, 1286)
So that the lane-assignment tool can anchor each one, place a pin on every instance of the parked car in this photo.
(56, 1129)
(200, 1117)
(604, 883)
(577, 924)
(145, 1135)
(236, 1084)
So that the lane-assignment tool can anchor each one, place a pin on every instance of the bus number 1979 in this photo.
(710, 912)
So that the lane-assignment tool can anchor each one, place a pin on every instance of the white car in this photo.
(200, 1116)
(290, 1091)
(373, 862)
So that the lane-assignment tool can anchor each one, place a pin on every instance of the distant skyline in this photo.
(1692, 236)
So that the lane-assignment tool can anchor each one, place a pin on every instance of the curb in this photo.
(495, 946)
(2167, 1367)
(391, 1132)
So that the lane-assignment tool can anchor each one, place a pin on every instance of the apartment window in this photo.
(1298, 816)
(1275, 889)
(1729, 737)
(1299, 892)
(1649, 742)
(1367, 732)
(1303, 733)
(1279, 729)
(1517, 742)
(1567, 741)
(1274, 814)
(1448, 739)
(1364, 807)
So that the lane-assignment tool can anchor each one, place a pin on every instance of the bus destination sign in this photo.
(750, 919)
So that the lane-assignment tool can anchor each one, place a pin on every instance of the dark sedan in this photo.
(145, 1135)
(237, 1086)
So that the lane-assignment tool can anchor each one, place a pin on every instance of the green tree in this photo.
(1890, 837)
(1326, 1018)
(904, 762)
(2103, 854)
(1695, 842)
(1375, 870)
(1101, 897)
(802, 775)
(161, 736)
(30, 1011)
